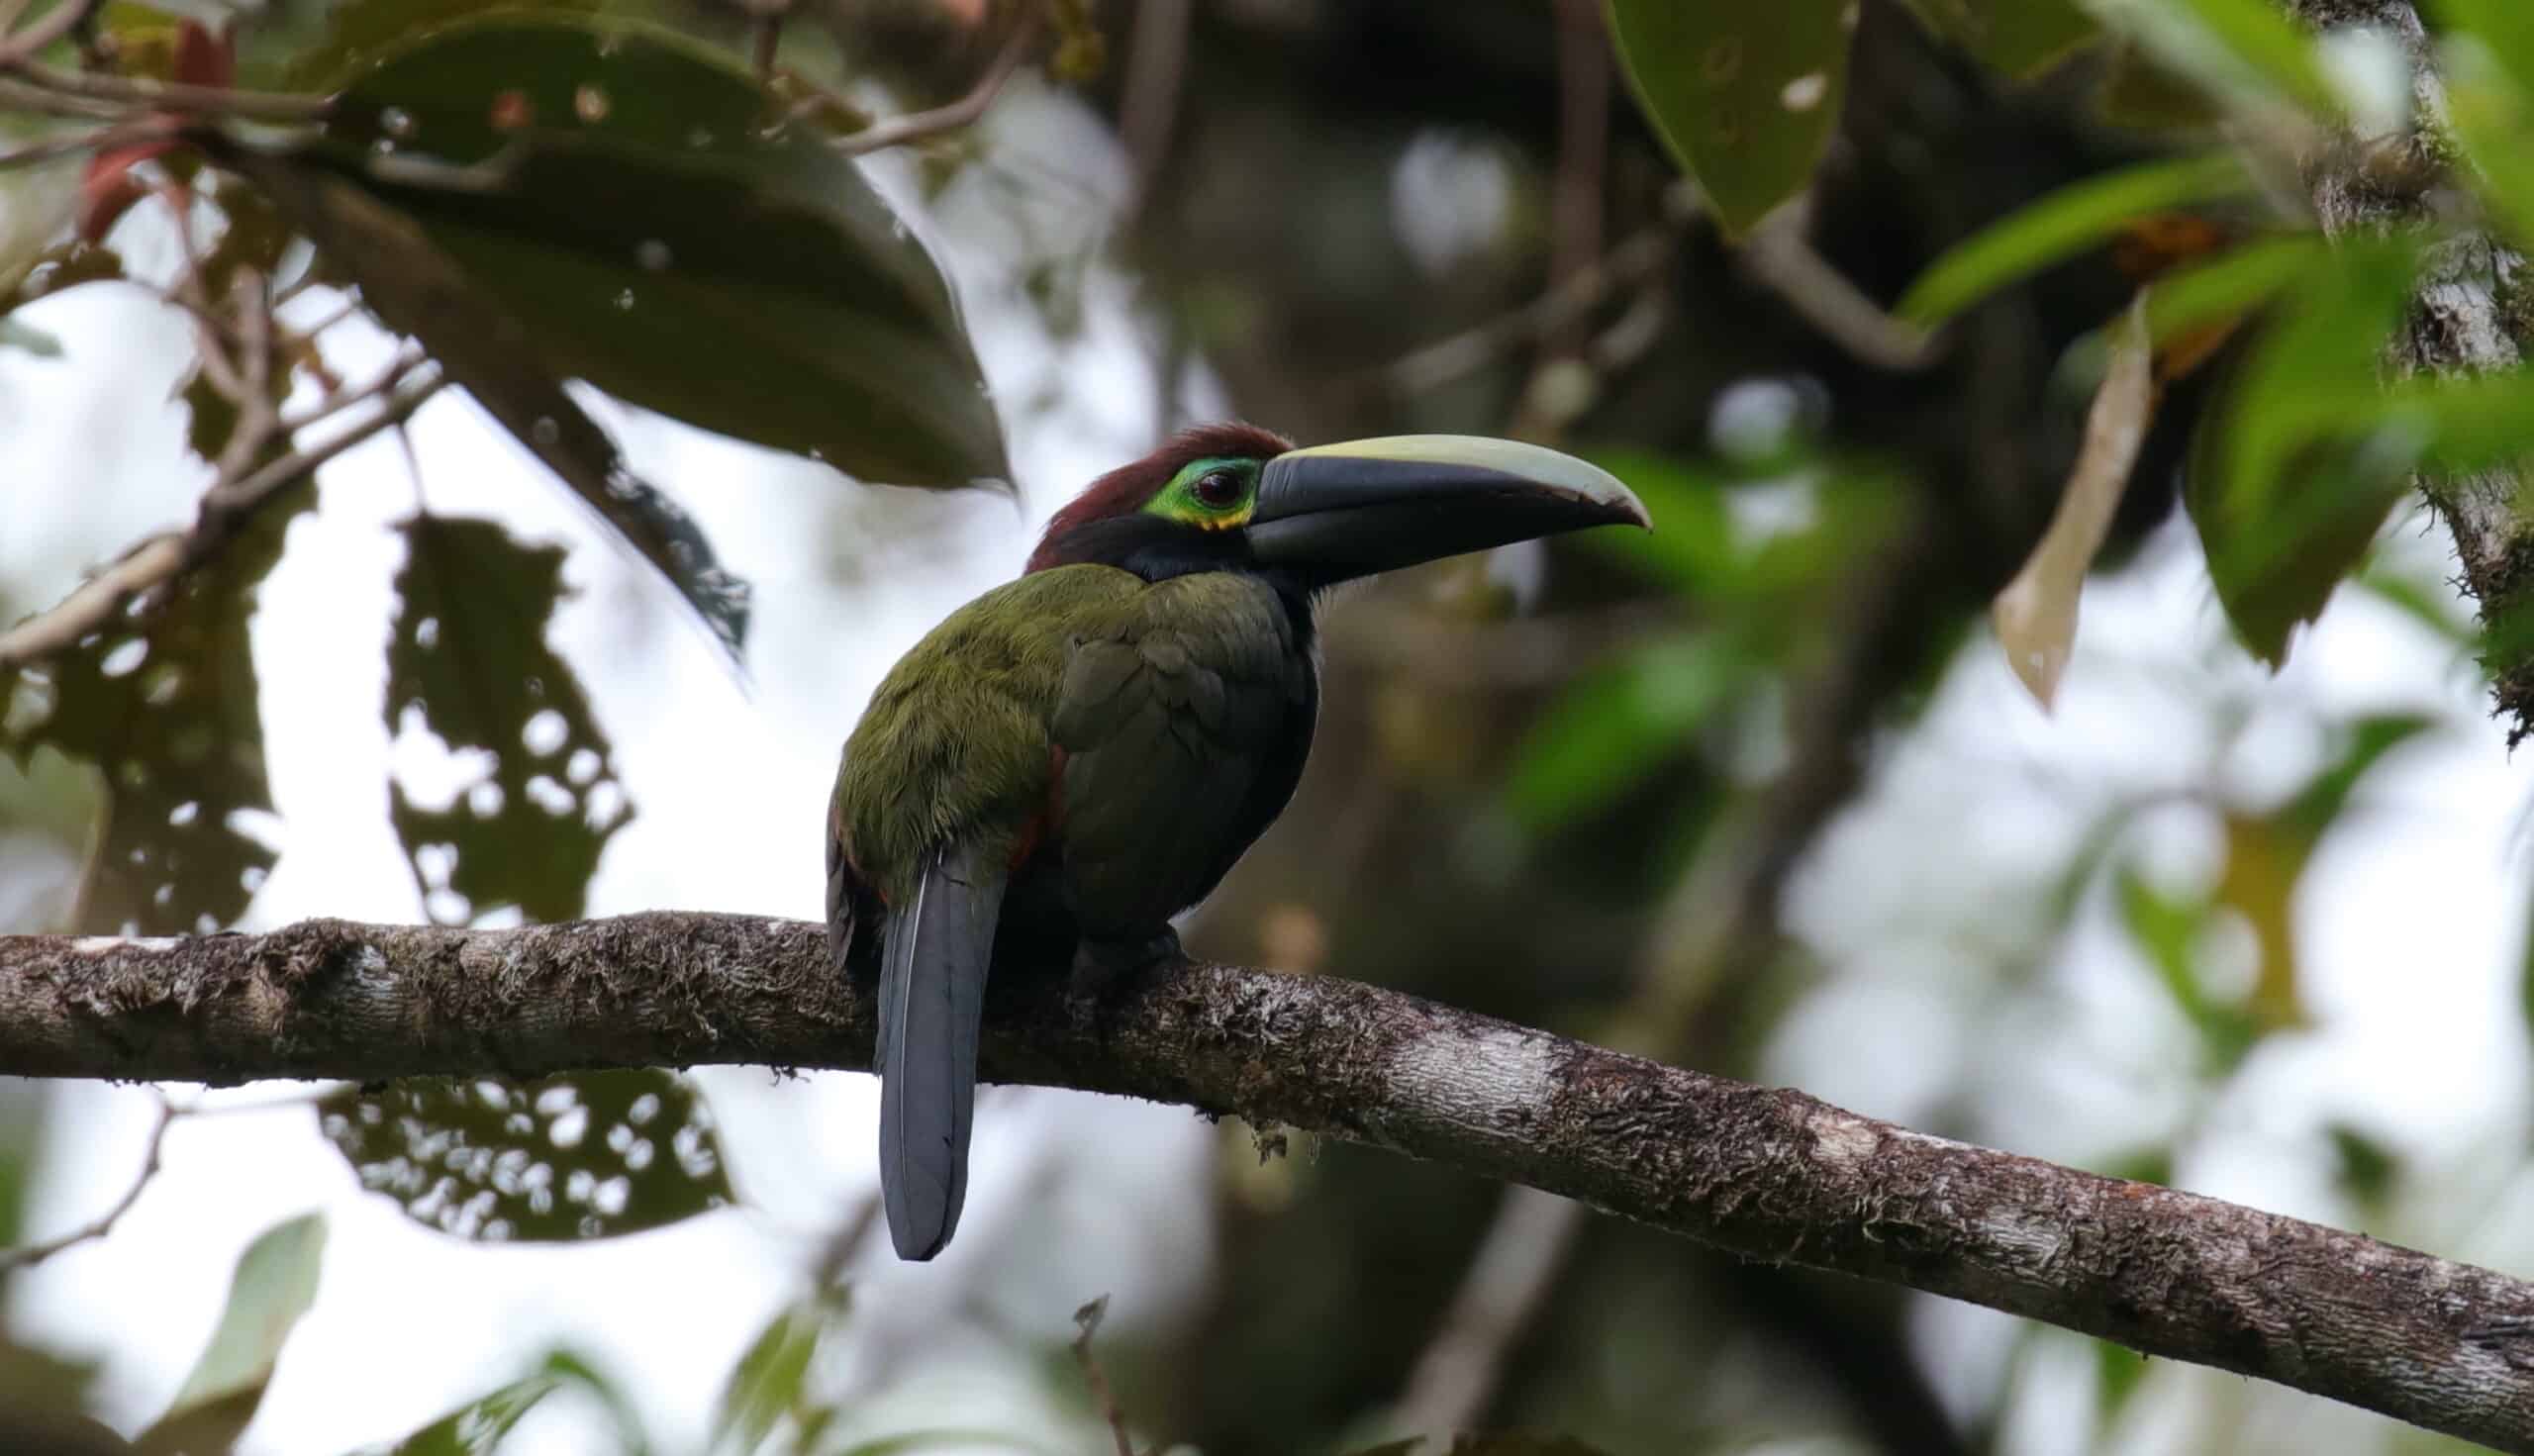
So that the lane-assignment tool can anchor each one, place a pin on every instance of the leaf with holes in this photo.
(589, 1156)
(166, 710)
(1746, 96)
(468, 662)
(275, 1283)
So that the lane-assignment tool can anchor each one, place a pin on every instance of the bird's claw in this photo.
(1103, 969)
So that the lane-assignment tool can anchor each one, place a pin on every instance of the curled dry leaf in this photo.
(2036, 615)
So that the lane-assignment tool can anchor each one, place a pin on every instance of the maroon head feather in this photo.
(1126, 488)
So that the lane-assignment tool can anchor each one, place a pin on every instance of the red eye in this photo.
(1218, 490)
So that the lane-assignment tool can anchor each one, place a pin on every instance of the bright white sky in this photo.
(2411, 926)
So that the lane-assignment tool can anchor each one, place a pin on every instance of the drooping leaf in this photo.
(2290, 475)
(587, 1156)
(275, 1283)
(414, 286)
(2019, 37)
(2167, 932)
(2367, 1169)
(625, 1422)
(766, 1385)
(2036, 615)
(477, 1427)
(2062, 225)
(1745, 96)
(615, 188)
(468, 661)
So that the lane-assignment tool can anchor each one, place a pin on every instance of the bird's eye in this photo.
(1218, 490)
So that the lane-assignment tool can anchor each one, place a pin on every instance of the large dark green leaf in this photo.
(275, 1283)
(468, 661)
(2291, 477)
(617, 190)
(1746, 96)
(589, 1156)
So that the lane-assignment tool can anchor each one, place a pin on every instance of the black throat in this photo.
(1158, 549)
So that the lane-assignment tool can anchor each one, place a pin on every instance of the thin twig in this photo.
(1780, 258)
(1088, 1317)
(57, 148)
(178, 96)
(252, 313)
(897, 130)
(26, 1256)
(154, 565)
(1639, 257)
(1149, 102)
(58, 22)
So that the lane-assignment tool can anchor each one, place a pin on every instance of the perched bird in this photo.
(1076, 757)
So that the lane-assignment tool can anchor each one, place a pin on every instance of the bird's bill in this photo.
(1339, 511)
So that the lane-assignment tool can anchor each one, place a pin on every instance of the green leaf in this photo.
(1745, 96)
(2290, 474)
(2247, 47)
(2167, 932)
(166, 710)
(2359, 746)
(2019, 37)
(413, 285)
(1614, 724)
(615, 188)
(586, 1156)
(2118, 1370)
(2062, 225)
(1694, 551)
(275, 1283)
(766, 1384)
(948, 1438)
(477, 1427)
(571, 1369)
(2503, 27)
(2367, 1168)
(2236, 282)
(2488, 109)
(468, 661)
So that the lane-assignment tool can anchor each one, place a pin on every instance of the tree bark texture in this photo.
(1770, 1174)
(2469, 317)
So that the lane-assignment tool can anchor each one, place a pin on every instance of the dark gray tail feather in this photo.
(932, 984)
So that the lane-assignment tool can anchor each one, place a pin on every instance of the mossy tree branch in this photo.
(1770, 1174)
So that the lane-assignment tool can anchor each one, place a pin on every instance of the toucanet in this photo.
(1080, 754)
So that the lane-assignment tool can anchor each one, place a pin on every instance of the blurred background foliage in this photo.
(1906, 317)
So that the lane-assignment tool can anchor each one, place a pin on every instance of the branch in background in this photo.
(1148, 105)
(26, 1256)
(1780, 258)
(1517, 1264)
(150, 568)
(2459, 325)
(1769, 1174)
(1087, 1320)
(1638, 258)
(897, 130)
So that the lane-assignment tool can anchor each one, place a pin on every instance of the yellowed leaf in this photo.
(2036, 615)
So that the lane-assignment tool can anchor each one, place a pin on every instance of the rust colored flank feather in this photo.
(1126, 488)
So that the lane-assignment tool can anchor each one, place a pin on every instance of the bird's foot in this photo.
(1101, 969)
